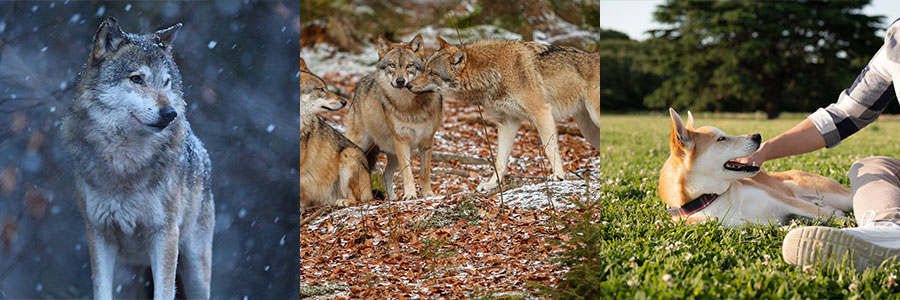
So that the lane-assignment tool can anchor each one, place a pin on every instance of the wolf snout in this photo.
(401, 82)
(343, 102)
(166, 115)
(756, 137)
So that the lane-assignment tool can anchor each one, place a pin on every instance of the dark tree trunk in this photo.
(772, 109)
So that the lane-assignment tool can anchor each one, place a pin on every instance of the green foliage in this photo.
(624, 244)
(626, 76)
(754, 55)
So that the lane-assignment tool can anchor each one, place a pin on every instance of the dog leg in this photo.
(506, 135)
(389, 169)
(163, 258)
(425, 171)
(103, 263)
(589, 130)
(546, 127)
(404, 157)
(195, 256)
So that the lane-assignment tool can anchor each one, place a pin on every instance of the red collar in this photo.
(693, 206)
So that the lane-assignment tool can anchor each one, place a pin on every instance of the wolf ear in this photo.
(416, 45)
(383, 46)
(108, 39)
(442, 42)
(679, 134)
(690, 121)
(303, 67)
(164, 37)
(458, 60)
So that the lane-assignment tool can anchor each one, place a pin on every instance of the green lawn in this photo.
(627, 247)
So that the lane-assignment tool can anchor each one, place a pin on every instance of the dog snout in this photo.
(167, 114)
(756, 137)
(401, 81)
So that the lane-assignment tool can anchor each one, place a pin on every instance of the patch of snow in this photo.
(466, 35)
(535, 195)
(324, 58)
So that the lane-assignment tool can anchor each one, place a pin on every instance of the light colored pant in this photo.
(875, 186)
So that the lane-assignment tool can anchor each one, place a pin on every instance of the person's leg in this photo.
(875, 185)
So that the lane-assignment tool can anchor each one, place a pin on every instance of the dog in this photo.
(142, 178)
(333, 170)
(515, 81)
(385, 116)
(701, 180)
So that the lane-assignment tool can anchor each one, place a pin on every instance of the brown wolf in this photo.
(386, 116)
(333, 171)
(701, 180)
(516, 81)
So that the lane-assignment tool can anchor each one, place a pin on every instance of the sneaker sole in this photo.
(811, 245)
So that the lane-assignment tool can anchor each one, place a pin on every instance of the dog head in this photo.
(702, 160)
(398, 63)
(443, 70)
(314, 94)
(135, 77)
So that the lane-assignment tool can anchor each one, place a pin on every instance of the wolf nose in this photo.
(167, 114)
(756, 137)
(343, 102)
(401, 82)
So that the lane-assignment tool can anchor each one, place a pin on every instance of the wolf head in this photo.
(399, 62)
(131, 82)
(314, 95)
(443, 70)
(707, 154)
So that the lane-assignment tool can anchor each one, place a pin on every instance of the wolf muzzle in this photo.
(166, 115)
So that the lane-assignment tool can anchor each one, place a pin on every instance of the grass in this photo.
(624, 245)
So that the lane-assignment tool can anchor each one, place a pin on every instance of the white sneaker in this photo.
(868, 245)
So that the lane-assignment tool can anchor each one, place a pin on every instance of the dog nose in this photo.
(401, 81)
(343, 102)
(167, 114)
(756, 137)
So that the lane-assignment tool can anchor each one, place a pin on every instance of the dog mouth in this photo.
(733, 165)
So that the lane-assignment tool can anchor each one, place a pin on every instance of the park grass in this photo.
(623, 244)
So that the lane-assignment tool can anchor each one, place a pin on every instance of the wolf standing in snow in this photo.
(142, 178)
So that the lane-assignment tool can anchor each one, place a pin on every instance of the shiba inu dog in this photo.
(333, 170)
(517, 81)
(385, 116)
(142, 178)
(701, 180)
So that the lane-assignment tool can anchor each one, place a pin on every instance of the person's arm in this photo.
(803, 138)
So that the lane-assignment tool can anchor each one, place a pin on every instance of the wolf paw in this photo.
(345, 202)
(487, 186)
(428, 193)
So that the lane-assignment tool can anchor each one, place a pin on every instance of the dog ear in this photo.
(165, 37)
(679, 134)
(442, 42)
(303, 67)
(108, 39)
(892, 42)
(383, 46)
(690, 121)
(416, 45)
(458, 60)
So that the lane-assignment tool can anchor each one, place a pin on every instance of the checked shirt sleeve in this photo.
(857, 106)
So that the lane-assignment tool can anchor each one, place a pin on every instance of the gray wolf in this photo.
(701, 180)
(386, 116)
(333, 170)
(142, 178)
(516, 81)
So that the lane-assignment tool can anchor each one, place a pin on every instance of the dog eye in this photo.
(137, 79)
(720, 139)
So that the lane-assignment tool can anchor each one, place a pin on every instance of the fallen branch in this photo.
(562, 129)
(466, 160)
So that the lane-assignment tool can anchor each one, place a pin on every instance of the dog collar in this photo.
(694, 206)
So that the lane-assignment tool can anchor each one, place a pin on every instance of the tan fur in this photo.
(384, 118)
(333, 171)
(760, 197)
(516, 81)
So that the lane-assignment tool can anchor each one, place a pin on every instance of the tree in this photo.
(751, 55)
(625, 77)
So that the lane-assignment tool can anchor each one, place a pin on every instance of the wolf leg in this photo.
(103, 262)
(195, 256)
(546, 127)
(389, 169)
(589, 129)
(405, 158)
(506, 135)
(163, 258)
(425, 171)
(348, 179)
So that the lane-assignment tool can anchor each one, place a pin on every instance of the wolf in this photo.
(142, 178)
(385, 116)
(516, 81)
(701, 180)
(333, 170)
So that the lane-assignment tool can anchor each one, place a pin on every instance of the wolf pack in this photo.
(142, 178)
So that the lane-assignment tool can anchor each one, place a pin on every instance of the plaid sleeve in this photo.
(857, 106)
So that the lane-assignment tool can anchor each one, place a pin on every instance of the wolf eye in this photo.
(320, 89)
(137, 79)
(722, 138)
(432, 73)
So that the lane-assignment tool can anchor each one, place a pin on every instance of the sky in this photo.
(634, 17)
